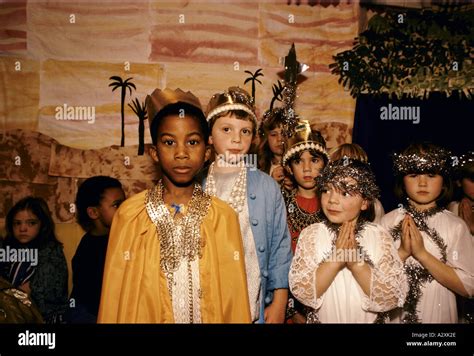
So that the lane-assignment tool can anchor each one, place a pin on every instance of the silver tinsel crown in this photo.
(433, 161)
(466, 159)
(336, 173)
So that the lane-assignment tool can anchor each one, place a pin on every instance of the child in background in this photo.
(43, 276)
(97, 200)
(272, 144)
(434, 244)
(464, 208)
(175, 254)
(345, 267)
(354, 151)
(304, 159)
(464, 175)
(256, 198)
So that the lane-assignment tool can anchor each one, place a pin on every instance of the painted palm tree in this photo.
(123, 85)
(277, 93)
(140, 111)
(254, 78)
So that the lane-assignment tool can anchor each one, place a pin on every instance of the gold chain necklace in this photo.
(180, 238)
(298, 219)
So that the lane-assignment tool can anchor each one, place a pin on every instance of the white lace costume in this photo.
(344, 301)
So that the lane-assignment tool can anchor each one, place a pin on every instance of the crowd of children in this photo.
(302, 238)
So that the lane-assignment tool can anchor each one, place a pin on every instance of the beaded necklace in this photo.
(298, 218)
(239, 190)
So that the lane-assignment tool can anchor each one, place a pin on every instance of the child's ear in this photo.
(365, 205)
(211, 142)
(207, 154)
(289, 170)
(153, 153)
(93, 213)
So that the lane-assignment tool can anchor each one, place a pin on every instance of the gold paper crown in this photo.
(234, 98)
(304, 139)
(159, 99)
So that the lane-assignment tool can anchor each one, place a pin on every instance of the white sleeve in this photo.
(388, 285)
(302, 277)
(460, 256)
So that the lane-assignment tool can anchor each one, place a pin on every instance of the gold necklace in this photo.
(180, 238)
(298, 219)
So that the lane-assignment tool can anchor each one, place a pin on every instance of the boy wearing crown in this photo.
(256, 198)
(304, 158)
(175, 254)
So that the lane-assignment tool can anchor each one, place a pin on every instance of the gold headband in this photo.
(233, 99)
(302, 140)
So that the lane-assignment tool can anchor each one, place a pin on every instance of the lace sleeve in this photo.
(388, 285)
(302, 277)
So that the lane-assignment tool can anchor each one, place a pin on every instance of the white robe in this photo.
(437, 303)
(344, 301)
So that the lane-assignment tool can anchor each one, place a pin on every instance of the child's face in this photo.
(111, 200)
(423, 189)
(26, 226)
(276, 141)
(305, 169)
(340, 207)
(231, 137)
(180, 149)
(467, 186)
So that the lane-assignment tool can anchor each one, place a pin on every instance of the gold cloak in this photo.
(134, 288)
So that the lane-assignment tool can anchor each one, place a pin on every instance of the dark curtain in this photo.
(448, 122)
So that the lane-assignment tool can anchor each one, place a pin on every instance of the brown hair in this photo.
(238, 114)
(39, 208)
(350, 150)
(274, 121)
(448, 188)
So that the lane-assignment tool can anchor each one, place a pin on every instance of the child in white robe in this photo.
(347, 268)
(434, 244)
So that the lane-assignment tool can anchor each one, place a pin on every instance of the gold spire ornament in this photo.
(293, 69)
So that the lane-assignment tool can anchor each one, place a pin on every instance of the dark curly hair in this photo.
(89, 194)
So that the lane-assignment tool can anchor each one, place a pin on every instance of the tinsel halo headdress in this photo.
(422, 159)
(304, 139)
(234, 98)
(337, 172)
